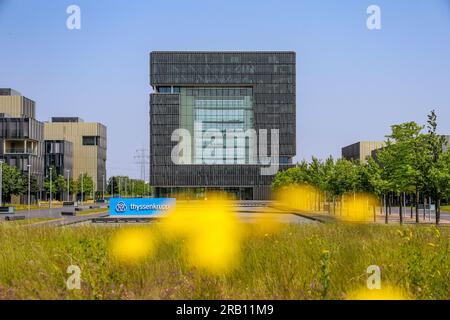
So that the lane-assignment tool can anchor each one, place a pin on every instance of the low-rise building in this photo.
(361, 150)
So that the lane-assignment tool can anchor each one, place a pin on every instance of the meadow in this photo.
(313, 261)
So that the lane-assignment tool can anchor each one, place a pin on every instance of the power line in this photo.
(143, 159)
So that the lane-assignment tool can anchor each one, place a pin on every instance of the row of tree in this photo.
(413, 165)
(15, 183)
(83, 186)
(127, 187)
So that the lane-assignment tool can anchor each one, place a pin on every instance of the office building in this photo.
(21, 135)
(361, 150)
(203, 92)
(88, 141)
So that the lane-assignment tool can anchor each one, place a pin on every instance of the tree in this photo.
(399, 160)
(141, 188)
(436, 145)
(85, 184)
(379, 185)
(61, 185)
(53, 188)
(13, 182)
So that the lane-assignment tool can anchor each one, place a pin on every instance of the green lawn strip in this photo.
(92, 212)
(32, 221)
(315, 261)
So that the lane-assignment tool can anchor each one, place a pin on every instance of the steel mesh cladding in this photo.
(222, 91)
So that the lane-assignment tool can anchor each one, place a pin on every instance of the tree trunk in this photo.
(438, 210)
(386, 220)
(417, 205)
(424, 208)
(381, 204)
(390, 203)
(334, 205)
(401, 209)
(386, 210)
(411, 204)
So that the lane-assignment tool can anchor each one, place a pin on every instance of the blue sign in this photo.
(140, 207)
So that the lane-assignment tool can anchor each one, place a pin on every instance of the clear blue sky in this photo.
(352, 83)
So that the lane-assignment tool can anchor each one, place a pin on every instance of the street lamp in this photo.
(50, 202)
(112, 186)
(29, 185)
(68, 185)
(1, 183)
(82, 187)
(103, 188)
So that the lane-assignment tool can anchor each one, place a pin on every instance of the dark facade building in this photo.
(59, 155)
(21, 135)
(226, 93)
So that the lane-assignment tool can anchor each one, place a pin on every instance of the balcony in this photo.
(17, 151)
(14, 147)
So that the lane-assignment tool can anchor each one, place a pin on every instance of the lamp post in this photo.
(82, 187)
(68, 185)
(112, 186)
(50, 202)
(1, 183)
(103, 188)
(29, 185)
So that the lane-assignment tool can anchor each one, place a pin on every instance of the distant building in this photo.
(21, 135)
(361, 150)
(13, 104)
(89, 145)
(447, 146)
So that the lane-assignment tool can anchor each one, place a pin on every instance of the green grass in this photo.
(445, 208)
(300, 262)
(27, 222)
(92, 211)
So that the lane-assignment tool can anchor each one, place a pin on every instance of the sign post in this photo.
(140, 207)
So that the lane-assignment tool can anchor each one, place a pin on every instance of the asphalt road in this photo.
(56, 214)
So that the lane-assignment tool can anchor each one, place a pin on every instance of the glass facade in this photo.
(228, 112)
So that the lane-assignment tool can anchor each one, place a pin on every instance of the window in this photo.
(168, 89)
(90, 140)
(222, 109)
(164, 89)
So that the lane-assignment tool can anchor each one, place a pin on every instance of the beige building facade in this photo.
(361, 150)
(14, 105)
(89, 141)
